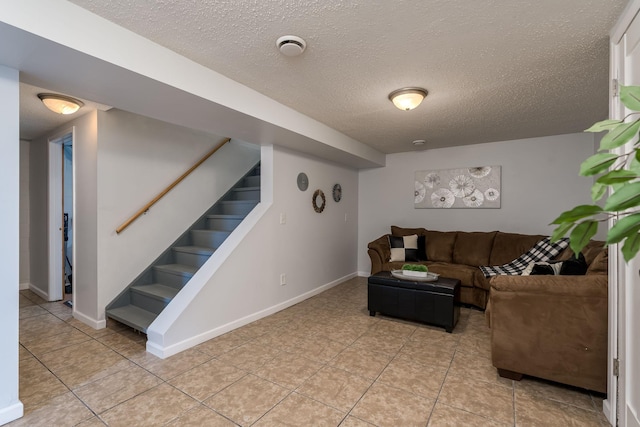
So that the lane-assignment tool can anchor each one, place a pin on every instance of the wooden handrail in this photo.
(146, 207)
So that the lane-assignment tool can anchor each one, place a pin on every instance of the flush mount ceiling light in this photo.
(60, 104)
(291, 45)
(419, 142)
(407, 98)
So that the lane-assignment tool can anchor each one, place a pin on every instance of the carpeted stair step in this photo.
(133, 316)
(154, 297)
(223, 222)
(195, 256)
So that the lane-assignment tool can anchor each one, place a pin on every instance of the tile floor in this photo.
(323, 362)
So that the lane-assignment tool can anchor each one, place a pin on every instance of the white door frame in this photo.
(55, 210)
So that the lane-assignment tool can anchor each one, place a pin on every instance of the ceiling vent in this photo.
(291, 45)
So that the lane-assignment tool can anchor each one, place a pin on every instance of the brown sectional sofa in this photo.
(552, 327)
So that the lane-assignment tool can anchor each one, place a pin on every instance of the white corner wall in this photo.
(10, 407)
(315, 251)
(539, 181)
(137, 158)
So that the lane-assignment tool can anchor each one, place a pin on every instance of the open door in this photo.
(56, 207)
(622, 406)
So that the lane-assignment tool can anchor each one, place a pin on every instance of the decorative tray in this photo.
(431, 277)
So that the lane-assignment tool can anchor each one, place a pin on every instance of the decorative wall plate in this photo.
(337, 193)
(303, 181)
(318, 201)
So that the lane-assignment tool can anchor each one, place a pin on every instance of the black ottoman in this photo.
(428, 302)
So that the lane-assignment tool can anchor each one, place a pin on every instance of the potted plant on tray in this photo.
(415, 270)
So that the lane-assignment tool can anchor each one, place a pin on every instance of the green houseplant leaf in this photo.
(561, 231)
(631, 247)
(597, 191)
(597, 163)
(628, 196)
(630, 97)
(581, 235)
(620, 135)
(625, 227)
(617, 176)
(577, 213)
(603, 125)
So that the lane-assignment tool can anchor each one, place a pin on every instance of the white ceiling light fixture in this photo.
(60, 104)
(291, 45)
(407, 98)
(419, 142)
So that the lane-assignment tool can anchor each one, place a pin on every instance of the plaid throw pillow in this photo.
(404, 248)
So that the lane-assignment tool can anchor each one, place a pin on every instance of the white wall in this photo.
(10, 407)
(24, 214)
(539, 181)
(314, 250)
(38, 225)
(137, 158)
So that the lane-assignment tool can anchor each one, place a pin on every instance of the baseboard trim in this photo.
(606, 408)
(164, 352)
(25, 286)
(363, 274)
(11, 413)
(90, 321)
(42, 294)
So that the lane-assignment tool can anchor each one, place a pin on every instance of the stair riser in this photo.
(148, 303)
(168, 279)
(223, 224)
(237, 209)
(194, 260)
(246, 195)
(208, 239)
(251, 181)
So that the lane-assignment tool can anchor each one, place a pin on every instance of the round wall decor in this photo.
(303, 181)
(318, 197)
(337, 193)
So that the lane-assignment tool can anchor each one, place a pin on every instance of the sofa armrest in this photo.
(552, 327)
(379, 253)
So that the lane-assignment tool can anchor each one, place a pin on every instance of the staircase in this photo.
(145, 298)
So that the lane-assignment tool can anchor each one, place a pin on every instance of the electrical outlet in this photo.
(283, 218)
(283, 279)
(345, 217)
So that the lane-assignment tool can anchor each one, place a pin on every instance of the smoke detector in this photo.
(291, 45)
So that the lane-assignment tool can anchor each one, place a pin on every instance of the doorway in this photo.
(61, 216)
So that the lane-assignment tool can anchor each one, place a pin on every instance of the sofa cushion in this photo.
(401, 231)
(440, 245)
(473, 248)
(509, 246)
(404, 248)
(464, 273)
(600, 264)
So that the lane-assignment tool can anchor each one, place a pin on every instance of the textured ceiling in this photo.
(495, 69)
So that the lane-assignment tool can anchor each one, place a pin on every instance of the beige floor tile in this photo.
(423, 380)
(92, 422)
(478, 397)
(395, 327)
(171, 366)
(558, 392)
(31, 310)
(37, 383)
(386, 406)
(288, 370)
(84, 363)
(47, 344)
(33, 297)
(432, 333)
(37, 327)
(317, 348)
(335, 387)
(341, 333)
(430, 352)
(24, 353)
(477, 367)
(201, 416)
(247, 400)
(297, 410)
(250, 357)
(446, 416)
(114, 389)
(222, 344)
(534, 410)
(25, 302)
(366, 363)
(474, 344)
(154, 407)
(117, 340)
(94, 333)
(207, 379)
(354, 422)
(60, 411)
(383, 343)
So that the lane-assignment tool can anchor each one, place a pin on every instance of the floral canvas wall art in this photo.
(474, 187)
